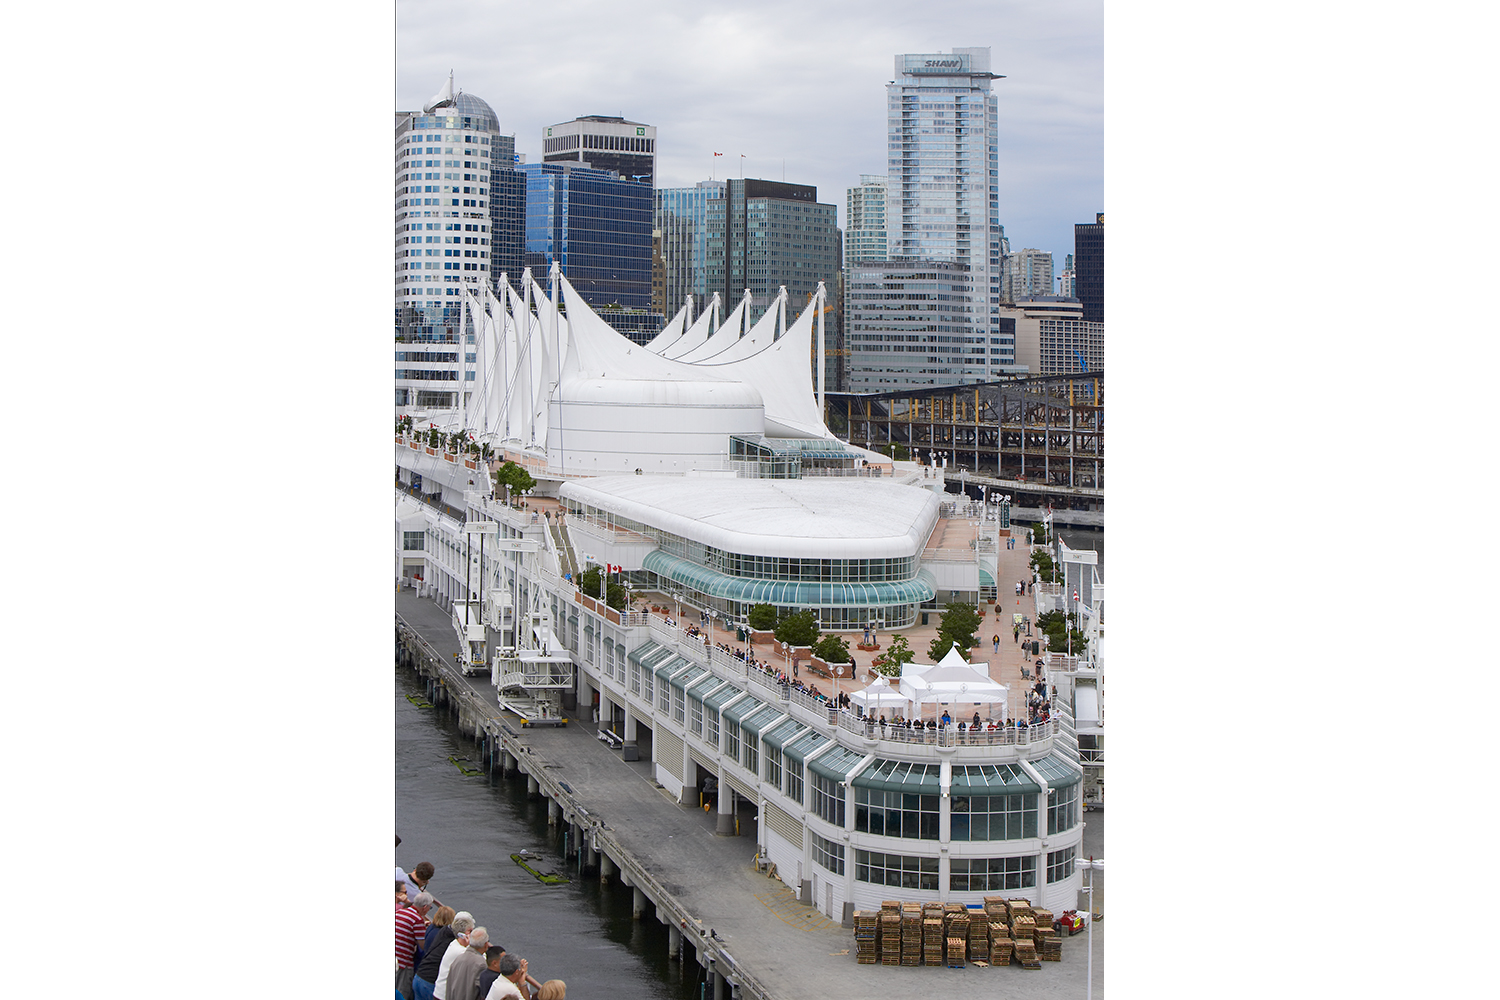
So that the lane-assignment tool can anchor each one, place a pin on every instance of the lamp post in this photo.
(1090, 866)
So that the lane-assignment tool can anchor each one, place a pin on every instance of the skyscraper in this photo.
(864, 220)
(765, 234)
(604, 143)
(1088, 250)
(443, 156)
(682, 217)
(942, 210)
(1029, 274)
(597, 226)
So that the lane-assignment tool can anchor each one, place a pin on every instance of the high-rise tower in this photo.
(864, 220)
(1088, 250)
(604, 143)
(942, 208)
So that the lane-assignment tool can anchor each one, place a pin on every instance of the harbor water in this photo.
(469, 826)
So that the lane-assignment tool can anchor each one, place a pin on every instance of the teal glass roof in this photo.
(900, 776)
(644, 649)
(685, 679)
(801, 593)
(742, 708)
(716, 700)
(802, 746)
(779, 736)
(836, 763)
(991, 779)
(753, 724)
(1057, 770)
(704, 686)
(670, 666)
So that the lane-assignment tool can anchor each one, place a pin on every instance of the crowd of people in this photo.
(442, 955)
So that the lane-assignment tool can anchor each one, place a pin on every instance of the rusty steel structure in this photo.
(1047, 429)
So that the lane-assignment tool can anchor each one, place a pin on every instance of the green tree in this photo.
(897, 654)
(588, 583)
(938, 648)
(762, 617)
(959, 620)
(800, 629)
(832, 648)
(518, 479)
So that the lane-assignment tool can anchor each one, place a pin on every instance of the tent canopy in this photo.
(879, 694)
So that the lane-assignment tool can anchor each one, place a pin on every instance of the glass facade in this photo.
(682, 217)
(596, 226)
(765, 234)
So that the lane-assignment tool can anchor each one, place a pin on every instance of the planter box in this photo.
(449, 457)
(469, 464)
(400, 439)
(414, 446)
(430, 451)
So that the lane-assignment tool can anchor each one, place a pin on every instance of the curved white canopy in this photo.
(728, 338)
(879, 694)
(734, 321)
(700, 331)
(782, 371)
(672, 330)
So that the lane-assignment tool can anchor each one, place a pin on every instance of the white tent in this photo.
(879, 694)
(953, 681)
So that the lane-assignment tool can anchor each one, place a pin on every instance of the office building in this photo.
(1088, 250)
(1067, 281)
(1029, 274)
(912, 323)
(507, 214)
(604, 143)
(682, 216)
(596, 225)
(765, 234)
(444, 158)
(942, 211)
(864, 221)
(1052, 337)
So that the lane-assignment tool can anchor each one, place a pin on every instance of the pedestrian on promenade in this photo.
(512, 980)
(411, 924)
(997, 643)
(463, 976)
(491, 972)
(463, 924)
(438, 937)
(1015, 631)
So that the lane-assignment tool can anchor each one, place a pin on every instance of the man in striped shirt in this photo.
(411, 926)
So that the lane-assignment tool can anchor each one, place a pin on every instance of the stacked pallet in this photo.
(1017, 907)
(911, 934)
(1049, 948)
(1023, 929)
(1026, 955)
(890, 936)
(932, 940)
(1043, 917)
(866, 937)
(955, 953)
(1001, 945)
(979, 940)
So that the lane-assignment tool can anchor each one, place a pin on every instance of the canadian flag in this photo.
(718, 154)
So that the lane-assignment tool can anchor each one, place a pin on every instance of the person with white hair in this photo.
(463, 975)
(463, 923)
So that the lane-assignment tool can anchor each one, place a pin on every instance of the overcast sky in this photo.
(796, 82)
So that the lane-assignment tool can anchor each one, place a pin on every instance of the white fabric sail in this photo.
(782, 373)
(698, 332)
(735, 322)
(724, 340)
(672, 330)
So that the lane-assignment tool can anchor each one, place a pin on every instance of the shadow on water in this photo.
(468, 826)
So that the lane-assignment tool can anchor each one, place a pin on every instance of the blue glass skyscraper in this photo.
(596, 226)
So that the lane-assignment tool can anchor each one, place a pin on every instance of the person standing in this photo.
(463, 976)
(463, 924)
(997, 643)
(411, 924)
(512, 980)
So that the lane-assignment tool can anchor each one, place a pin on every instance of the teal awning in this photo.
(779, 736)
(716, 700)
(985, 580)
(685, 679)
(1057, 770)
(803, 594)
(900, 776)
(742, 708)
(992, 779)
(753, 724)
(644, 649)
(836, 763)
(803, 746)
(704, 686)
(671, 666)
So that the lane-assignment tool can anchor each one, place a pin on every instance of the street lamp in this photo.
(1090, 866)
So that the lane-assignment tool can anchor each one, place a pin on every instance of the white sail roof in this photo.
(726, 339)
(734, 320)
(782, 372)
(672, 330)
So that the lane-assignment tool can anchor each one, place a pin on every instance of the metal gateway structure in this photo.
(1045, 429)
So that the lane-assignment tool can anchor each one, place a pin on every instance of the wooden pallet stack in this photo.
(1026, 955)
(932, 940)
(1002, 946)
(979, 939)
(1049, 948)
(911, 933)
(889, 940)
(955, 953)
(866, 937)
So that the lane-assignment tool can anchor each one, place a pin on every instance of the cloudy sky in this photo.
(794, 83)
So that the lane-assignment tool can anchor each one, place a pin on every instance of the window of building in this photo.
(711, 725)
(993, 817)
(1060, 864)
(1062, 808)
(794, 788)
(828, 799)
(695, 716)
(896, 814)
(991, 874)
(773, 766)
(828, 854)
(732, 740)
(412, 541)
(896, 869)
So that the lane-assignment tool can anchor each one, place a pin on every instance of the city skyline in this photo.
(801, 86)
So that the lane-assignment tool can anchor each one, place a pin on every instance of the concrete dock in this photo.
(750, 930)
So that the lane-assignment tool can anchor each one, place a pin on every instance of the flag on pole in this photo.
(718, 154)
